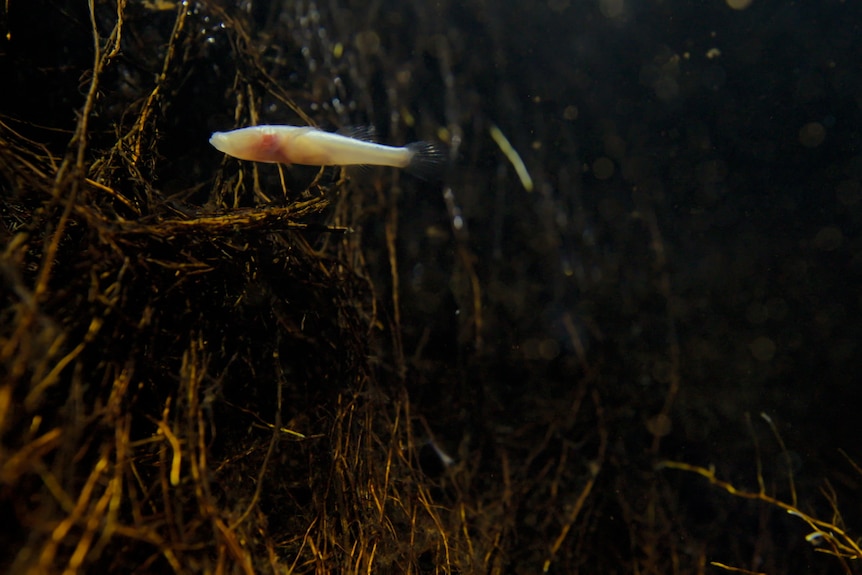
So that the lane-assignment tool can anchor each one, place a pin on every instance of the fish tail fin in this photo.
(428, 160)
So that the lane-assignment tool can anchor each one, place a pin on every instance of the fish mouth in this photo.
(219, 141)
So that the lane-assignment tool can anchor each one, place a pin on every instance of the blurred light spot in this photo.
(739, 4)
(762, 348)
(666, 88)
(570, 113)
(407, 117)
(660, 425)
(403, 77)
(541, 349)
(368, 42)
(437, 233)
(812, 134)
(603, 168)
(828, 239)
(558, 5)
(612, 8)
(661, 73)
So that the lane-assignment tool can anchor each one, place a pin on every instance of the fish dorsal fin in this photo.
(364, 133)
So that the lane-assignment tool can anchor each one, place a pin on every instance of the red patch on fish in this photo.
(269, 148)
(268, 142)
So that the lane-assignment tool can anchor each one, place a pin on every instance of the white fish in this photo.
(312, 147)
